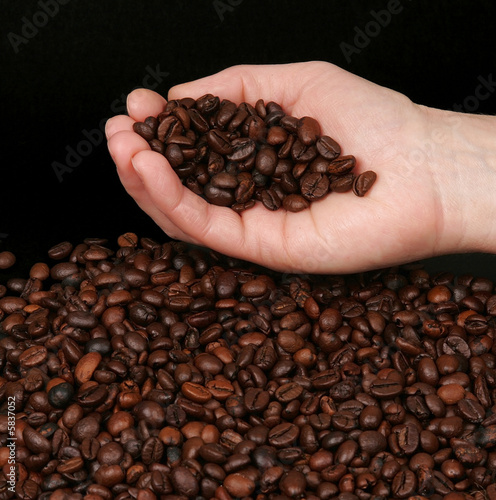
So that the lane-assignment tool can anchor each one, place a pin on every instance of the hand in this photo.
(420, 205)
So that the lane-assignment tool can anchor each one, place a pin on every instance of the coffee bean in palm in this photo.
(363, 182)
(219, 196)
(328, 147)
(314, 186)
(270, 199)
(308, 130)
(219, 142)
(206, 137)
(295, 203)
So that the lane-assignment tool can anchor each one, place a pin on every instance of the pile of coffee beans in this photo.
(159, 371)
(235, 155)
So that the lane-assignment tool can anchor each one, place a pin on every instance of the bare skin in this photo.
(434, 193)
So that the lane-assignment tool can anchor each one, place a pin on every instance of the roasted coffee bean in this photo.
(295, 203)
(207, 137)
(308, 130)
(219, 196)
(7, 259)
(60, 251)
(314, 186)
(60, 396)
(363, 182)
(328, 147)
(404, 484)
(270, 199)
(175, 373)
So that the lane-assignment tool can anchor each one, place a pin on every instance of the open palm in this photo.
(396, 221)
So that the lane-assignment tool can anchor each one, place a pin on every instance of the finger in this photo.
(200, 220)
(142, 103)
(118, 123)
(123, 145)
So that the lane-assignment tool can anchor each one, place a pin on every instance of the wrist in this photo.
(462, 160)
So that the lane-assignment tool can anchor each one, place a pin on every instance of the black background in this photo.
(64, 72)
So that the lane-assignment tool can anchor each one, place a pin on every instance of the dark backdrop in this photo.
(67, 66)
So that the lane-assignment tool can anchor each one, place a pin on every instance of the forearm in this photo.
(462, 156)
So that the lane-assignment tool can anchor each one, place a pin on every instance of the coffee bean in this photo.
(7, 259)
(328, 147)
(35, 441)
(219, 142)
(152, 450)
(283, 435)
(471, 410)
(314, 186)
(266, 160)
(295, 203)
(61, 395)
(218, 196)
(238, 485)
(60, 251)
(207, 137)
(404, 484)
(372, 442)
(363, 182)
(385, 388)
(293, 483)
(178, 374)
(33, 356)
(308, 130)
(270, 199)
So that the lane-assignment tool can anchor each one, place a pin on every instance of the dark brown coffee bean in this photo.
(308, 130)
(35, 441)
(7, 259)
(283, 435)
(152, 450)
(328, 147)
(385, 388)
(342, 184)
(60, 396)
(60, 251)
(242, 148)
(293, 484)
(271, 200)
(238, 485)
(471, 410)
(295, 203)
(224, 180)
(372, 442)
(207, 104)
(33, 356)
(314, 186)
(219, 142)
(218, 196)
(364, 182)
(404, 484)
(144, 130)
(215, 453)
(288, 392)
